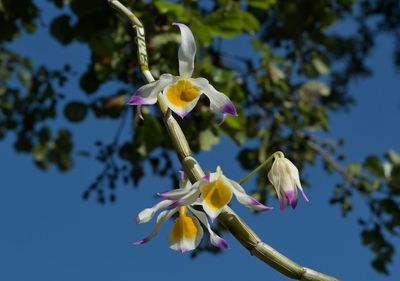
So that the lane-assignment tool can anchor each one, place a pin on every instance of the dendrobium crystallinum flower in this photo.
(213, 192)
(285, 178)
(216, 192)
(186, 233)
(181, 93)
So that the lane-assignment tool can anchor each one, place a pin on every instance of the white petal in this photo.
(185, 244)
(187, 51)
(244, 198)
(174, 194)
(147, 94)
(188, 198)
(214, 238)
(147, 214)
(162, 217)
(219, 102)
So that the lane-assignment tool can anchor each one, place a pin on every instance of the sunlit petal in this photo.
(214, 238)
(162, 217)
(174, 194)
(219, 102)
(148, 213)
(244, 198)
(188, 198)
(147, 94)
(185, 234)
(187, 51)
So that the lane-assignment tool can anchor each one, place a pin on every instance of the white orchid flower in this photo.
(216, 192)
(186, 233)
(181, 93)
(285, 178)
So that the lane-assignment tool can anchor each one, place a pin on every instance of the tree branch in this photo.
(228, 218)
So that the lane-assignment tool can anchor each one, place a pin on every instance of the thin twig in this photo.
(228, 218)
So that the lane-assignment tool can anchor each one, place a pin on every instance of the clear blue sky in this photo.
(49, 233)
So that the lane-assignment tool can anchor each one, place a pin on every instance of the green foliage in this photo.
(285, 91)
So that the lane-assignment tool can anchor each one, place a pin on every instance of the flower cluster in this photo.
(212, 193)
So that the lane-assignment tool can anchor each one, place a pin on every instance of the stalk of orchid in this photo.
(228, 218)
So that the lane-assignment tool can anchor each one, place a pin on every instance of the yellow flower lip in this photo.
(186, 233)
(216, 194)
(181, 93)
(185, 227)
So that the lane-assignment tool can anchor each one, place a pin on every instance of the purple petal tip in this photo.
(207, 177)
(162, 195)
(184, 250)
(140, 242)
(136, 100)
(261, 207)
(289, 196)
(229, 108)
(223, 244)
(294, 204)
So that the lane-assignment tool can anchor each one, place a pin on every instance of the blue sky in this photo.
(49, 233)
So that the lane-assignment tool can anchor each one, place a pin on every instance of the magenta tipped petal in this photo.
(289, 196)
(223, 244)
(136, 100)
(260, 207)
(162, 195)
(140, 242)
(207, 177)
(184, 250)
(229, 109)
(294, 203)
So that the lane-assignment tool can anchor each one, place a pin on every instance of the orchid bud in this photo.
(284, 176)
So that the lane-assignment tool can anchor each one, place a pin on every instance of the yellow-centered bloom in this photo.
(181, 93)
(187, 232)
(216, 192)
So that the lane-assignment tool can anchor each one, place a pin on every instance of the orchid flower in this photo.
(215, 192)
(284, 176)
(181, 93)
(186, 233)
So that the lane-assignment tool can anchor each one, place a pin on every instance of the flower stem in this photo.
(232, 222)
(260, 167)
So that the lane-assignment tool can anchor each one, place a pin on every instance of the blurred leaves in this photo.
(295, 72)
